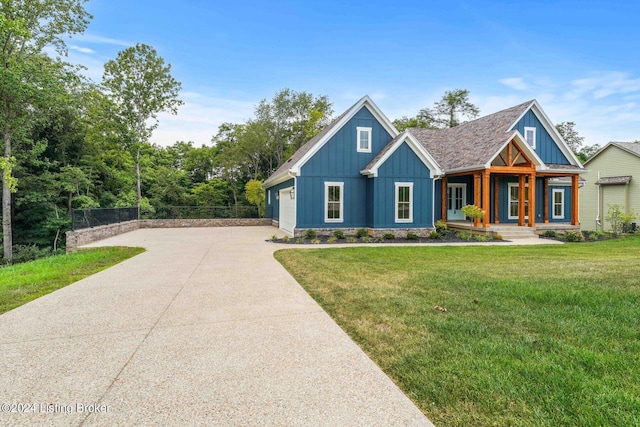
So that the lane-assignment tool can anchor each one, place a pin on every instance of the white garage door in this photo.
(287, 211)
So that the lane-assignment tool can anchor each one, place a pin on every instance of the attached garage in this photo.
(287, 211)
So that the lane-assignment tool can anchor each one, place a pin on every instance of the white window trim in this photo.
(509, 186)
(529, 128)
(395, 206)
(326, 201)
(363, 129)
(553, 203)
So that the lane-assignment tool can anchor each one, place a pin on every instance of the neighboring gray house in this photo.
(613, 178)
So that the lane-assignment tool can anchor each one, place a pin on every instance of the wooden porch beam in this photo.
(476, 195)
(521, 188)
(514, 170)
(496, 200)
(510, 153)
(532, 200)
(574, 199)
(545, 199)
(486, 203)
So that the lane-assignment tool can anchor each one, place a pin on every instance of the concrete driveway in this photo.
(205, 328)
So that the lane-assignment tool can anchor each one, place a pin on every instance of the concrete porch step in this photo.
(514, 232)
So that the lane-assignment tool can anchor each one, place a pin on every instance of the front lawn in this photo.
(531, 335)
(22, 283)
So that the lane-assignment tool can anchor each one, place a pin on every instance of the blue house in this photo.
(360, 172)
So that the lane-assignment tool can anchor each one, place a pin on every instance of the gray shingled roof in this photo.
(471, 144)
(633, 147)
(614, 180)
(384, 150)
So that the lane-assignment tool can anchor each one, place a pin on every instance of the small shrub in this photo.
(310, 234)
(315, 241)
(620, 221)
(435, 235)
(274, 238)
(379, 239)
(362, 232)
(332, 239)
(481, 237)
(550, 233)
(573, 236)
(365, 239)
(26, 253)
(441, 226)
(389, 236)
(412, 236)
(299, 240)
(464, 235)
(351, 239)
(473, 212)
(338, 234)
(286, 239)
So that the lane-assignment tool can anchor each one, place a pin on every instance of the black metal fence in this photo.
(87, 218)
(200, 212)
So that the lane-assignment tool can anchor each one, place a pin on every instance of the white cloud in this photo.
(516, 83)
(82, 49)
(95, 39)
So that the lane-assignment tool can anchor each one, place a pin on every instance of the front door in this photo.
(514, 200)
(456, 195)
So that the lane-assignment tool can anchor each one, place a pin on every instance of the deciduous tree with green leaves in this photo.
(255, 194)
(568, 132)
(141, 86)
(455, 103)
(29, 78)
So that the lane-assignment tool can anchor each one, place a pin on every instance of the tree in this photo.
(453, 103)
(141, 86)
(27, 74)
(255, 194)
(570, 135)
(424, 119)
(587, 152)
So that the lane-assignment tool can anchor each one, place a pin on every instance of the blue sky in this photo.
(580, 59)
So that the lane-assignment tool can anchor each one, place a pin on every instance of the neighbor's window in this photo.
(364, 139)
(404, 201)
(333, 201)
(558, 203)
(530, 136)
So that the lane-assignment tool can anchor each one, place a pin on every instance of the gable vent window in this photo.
(364, 140)
(530, 136)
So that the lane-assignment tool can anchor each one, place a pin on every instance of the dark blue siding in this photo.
(504, 201)
(274, 207)
(546, 148)
(403, 166)
(339, 161)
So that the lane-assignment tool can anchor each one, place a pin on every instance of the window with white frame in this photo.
(530, 136)
(404, 202)
(334, 201)
(364, 139)
(558, 203)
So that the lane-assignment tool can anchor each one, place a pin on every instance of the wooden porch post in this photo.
(532, 199)
(476, 195)
(486, 200)
(545, 197)
(444, 199)
(496, 200)
(574, 199)
(521, 200)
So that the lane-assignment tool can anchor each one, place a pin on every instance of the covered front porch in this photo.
(517, 189)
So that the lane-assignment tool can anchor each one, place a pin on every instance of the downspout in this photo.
(433, 199)
(295, 202)
(598, 222)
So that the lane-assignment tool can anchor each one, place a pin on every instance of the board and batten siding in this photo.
(612, 161)
(274, 206)
(503, 188)
(546, 147)
(339, 161)
(403, 166)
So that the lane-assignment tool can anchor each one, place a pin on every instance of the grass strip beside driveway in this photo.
(22, 283)
(531, 335)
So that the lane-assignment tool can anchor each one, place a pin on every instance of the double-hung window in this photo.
(558, 203)
(530, 136)
(364, 140)
(334, 201)
(404, 202)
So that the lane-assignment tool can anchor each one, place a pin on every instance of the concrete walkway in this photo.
(205, 328)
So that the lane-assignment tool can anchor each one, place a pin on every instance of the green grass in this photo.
(532, 336)
(22, 283)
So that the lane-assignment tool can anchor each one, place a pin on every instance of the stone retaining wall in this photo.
(400, 233)
(82, 237)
